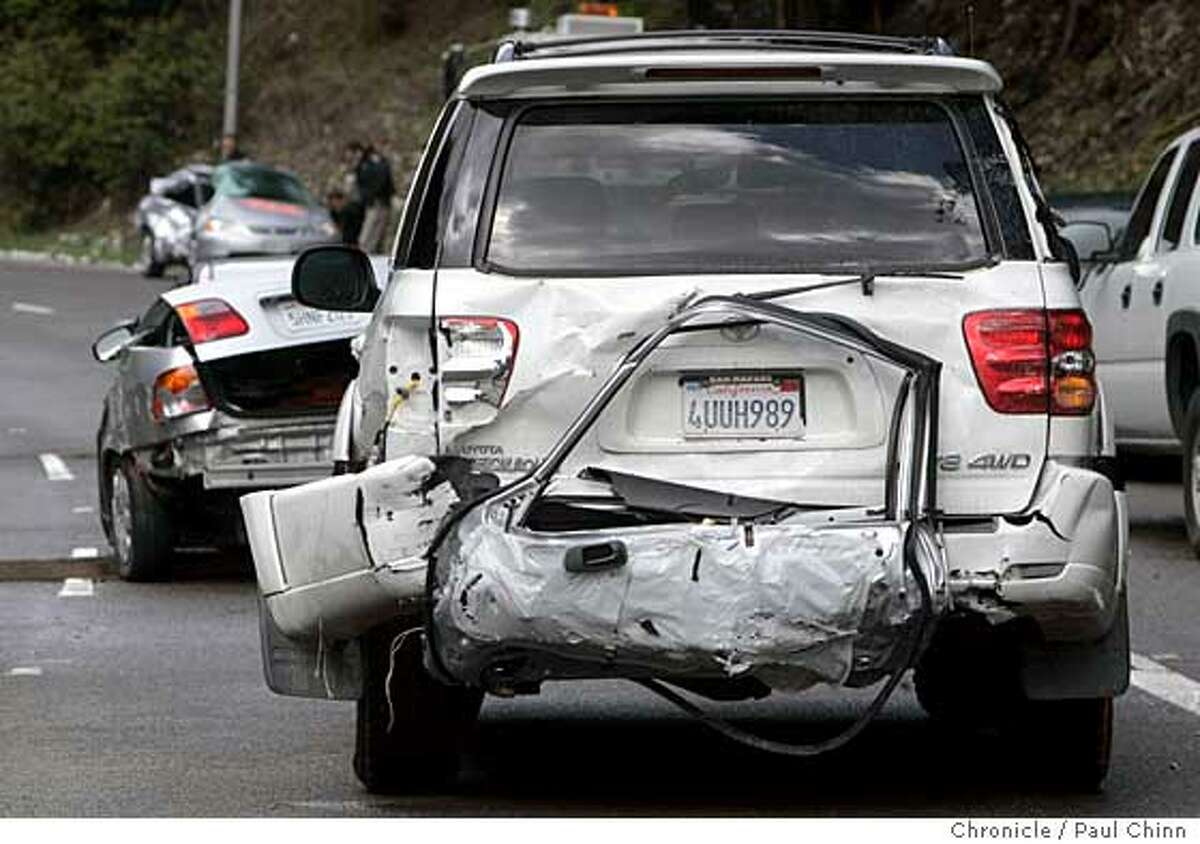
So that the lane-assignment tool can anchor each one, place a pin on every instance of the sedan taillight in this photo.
(211, 319)
(178, 392)
(480, 353)
(1033, 361)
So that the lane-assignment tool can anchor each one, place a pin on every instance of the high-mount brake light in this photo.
(716, 74)
(178, 392)
(211, 319)
(479, 356)
(1033, 361)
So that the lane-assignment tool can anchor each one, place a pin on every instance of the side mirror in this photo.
(335, 278)
(1090, 238)
(114, 341)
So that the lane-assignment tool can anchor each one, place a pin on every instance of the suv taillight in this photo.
(480, 353)
(211, 319)
(178, 392)
(1033, 361)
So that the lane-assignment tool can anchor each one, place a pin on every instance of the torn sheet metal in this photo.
(789, 604)
(335, 557)
(785, 601)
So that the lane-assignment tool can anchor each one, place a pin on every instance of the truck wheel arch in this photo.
(1182, 364)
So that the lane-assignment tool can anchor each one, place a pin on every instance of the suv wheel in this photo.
(1068, 742)
(150, 266)
(142, 533)
(1191, 472)
(968, 675)
(413, 744)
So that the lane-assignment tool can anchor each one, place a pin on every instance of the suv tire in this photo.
(1191, 471)
(421, 750)
(143, 537)
(968, 675)
(1068, 743)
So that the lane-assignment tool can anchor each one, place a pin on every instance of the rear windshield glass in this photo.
(730, 187)
(241, 181)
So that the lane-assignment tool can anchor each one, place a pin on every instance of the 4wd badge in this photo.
(987, 462)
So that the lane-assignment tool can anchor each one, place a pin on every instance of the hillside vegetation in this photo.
(97, 95)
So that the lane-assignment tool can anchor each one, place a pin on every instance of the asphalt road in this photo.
(50, 399)
(121, 699)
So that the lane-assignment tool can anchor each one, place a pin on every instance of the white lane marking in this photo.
(25, 671)
(55, 468)
(26, 308)
(16, 431)
(83, 509)
(84, 553)
(1156, 679)
(77, 587)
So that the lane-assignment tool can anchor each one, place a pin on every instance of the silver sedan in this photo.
(222, 386)
(258, 210)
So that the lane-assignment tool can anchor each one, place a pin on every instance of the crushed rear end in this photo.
(582, 569)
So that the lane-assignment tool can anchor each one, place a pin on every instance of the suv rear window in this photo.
(732, 187)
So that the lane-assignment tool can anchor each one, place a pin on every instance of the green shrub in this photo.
(97, 96)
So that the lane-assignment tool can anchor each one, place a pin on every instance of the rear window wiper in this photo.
(865, 278)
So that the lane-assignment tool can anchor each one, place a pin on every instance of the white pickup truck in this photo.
(1142, 300)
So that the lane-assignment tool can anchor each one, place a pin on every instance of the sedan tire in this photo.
(148, 261)
(143, 536)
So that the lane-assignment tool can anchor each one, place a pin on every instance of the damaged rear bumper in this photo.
(336, 557)
(227, 452)
(1060, 563)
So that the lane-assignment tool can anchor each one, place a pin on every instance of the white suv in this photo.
(722, 362)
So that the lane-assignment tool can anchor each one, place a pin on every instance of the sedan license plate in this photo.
(301, 319)
(743, 406)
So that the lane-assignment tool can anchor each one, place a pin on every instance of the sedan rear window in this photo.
(734, 187)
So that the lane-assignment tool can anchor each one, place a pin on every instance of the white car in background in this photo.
(720, 362)
(222, 386)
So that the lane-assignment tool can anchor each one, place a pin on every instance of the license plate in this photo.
(301, 319)
(743, 406)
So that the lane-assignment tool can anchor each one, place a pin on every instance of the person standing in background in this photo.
(347, 215)
(373, 188)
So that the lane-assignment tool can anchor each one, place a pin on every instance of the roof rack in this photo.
(721, 39)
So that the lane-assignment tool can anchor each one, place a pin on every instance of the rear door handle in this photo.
(1157, 291)
(601, 556)
(1126, 295)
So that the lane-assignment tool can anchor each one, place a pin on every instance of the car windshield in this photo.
(734, 187)
(251, 180)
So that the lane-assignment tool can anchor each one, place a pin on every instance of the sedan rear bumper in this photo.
(233, 453)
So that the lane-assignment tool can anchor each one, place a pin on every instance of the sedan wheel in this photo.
(120, 516)
(148, 261)
(142, 533)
